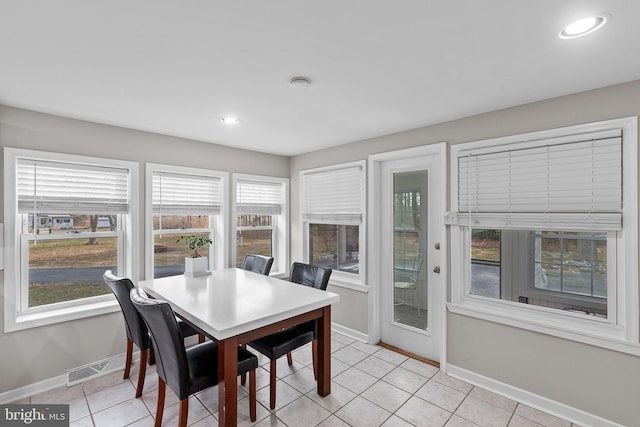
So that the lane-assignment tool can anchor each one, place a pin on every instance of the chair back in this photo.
(168, 342)
(310, 275)
(134, 325)
(258, 263)
(417, 267)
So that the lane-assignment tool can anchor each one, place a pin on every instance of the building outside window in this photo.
(261, 225)
(545, 224)
(333, 207)
(69, 219)
(181, 202)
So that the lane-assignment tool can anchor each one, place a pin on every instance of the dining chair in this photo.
(258, 263)
(136, 330)
(285, 341)
(185, 370)
(409, 287)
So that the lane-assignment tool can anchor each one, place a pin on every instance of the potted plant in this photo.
(195, 264)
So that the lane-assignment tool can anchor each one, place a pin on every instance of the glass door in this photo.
(411, 232)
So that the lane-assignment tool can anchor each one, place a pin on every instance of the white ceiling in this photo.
(377, 66)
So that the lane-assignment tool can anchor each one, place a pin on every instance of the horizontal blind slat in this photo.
(182, 194)
(568, 177)
(259, 197)
(336, 191)
(54, 187)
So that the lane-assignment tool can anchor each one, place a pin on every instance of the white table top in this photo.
(232, 301)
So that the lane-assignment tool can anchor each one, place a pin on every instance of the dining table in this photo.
(234, 307)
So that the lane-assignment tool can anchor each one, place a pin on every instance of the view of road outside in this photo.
(69, 268)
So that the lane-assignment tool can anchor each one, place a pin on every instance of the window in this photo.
(333, 201)
(183, 201)
(406, 228)
(261, 224)
(545, 224)
(560, 270)
(69, 219)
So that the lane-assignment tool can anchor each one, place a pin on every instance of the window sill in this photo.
(50, 317)
(349, 285)
(591, 331)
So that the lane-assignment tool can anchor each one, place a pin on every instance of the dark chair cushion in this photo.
(282, 342)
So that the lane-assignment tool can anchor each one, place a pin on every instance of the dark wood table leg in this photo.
(227, 382)
(324, 352)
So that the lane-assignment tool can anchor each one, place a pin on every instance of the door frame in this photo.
(375, 230)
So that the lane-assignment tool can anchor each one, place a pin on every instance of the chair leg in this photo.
(160, 407)
(289, 359)
(127, 363)
(184, 412)
(272, 385)
(252, 394)
(152, 355)
(314, 358)
(142, 371)
(243, 377)
(200, 338)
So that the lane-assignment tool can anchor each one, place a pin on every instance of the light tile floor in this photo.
(372, 386)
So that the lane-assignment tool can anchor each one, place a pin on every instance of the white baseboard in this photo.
(31, 389)
(352, 333)
(59, 381)
(576, 416)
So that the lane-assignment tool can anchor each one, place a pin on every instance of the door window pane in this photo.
(409, 232)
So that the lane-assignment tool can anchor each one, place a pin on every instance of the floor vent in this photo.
(94, 370)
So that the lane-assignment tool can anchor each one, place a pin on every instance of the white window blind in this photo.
(259, 197)
(181, 194)
(50, 187)
(567, 183)
(333, 195)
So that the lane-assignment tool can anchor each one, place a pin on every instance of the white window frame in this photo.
(16, 316)
(280, 224)
(529, 290)
(218, 255)
(339, 278)
(620, 331)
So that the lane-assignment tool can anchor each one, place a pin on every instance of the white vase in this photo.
(196, 266)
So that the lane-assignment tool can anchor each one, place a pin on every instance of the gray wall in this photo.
(37, 354)
(598, 381)
(595, 380)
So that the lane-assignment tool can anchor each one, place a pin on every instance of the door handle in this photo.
(436, 269)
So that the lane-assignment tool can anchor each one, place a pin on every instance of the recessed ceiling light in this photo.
(300, 82)
(230, 120)
(583, 27)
